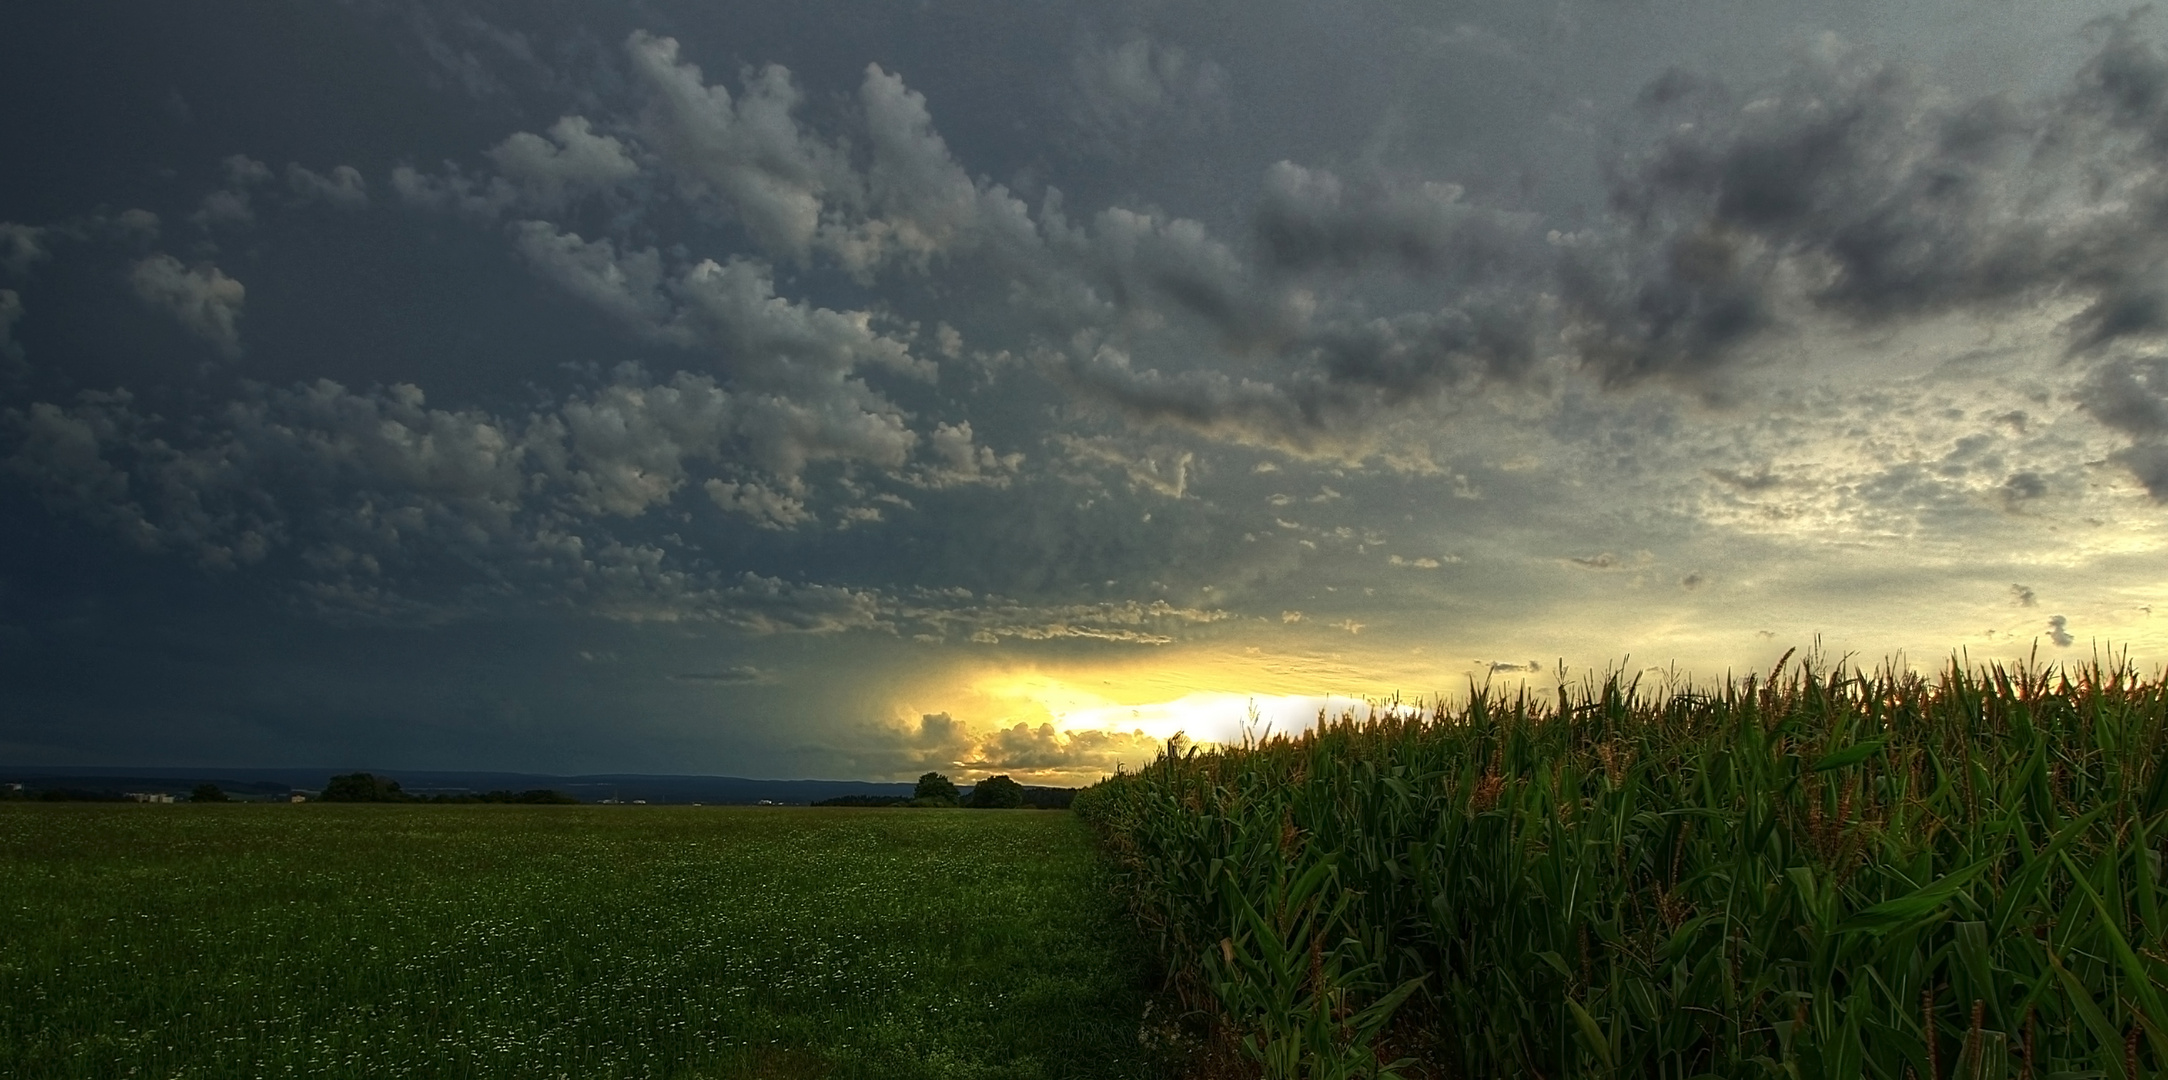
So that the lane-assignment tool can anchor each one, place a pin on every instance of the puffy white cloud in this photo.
(957, 460)
(769, 508)
(777, 342)
(1145, 264)
(922, 200)
(797, 193)
(243, 171)
(795, 393)
(21, 247)
(940, 742)
(344, 188)
(628, 286)
(203, 298)
(1022, 748)
(570, 162)
(135, 224)
(630, 443)
(455, 191)
(231, 205)
(225, 207)
(795, 366)
(749, 153)
(388, 441)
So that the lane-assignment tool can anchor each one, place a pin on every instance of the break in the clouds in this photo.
(793, 395)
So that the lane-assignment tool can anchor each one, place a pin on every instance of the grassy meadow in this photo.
(584, 942)
(1822, 874)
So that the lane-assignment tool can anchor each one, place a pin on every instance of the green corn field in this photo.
(1825, 873)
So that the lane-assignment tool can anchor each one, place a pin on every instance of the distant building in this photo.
(149, 796)
(297, 797)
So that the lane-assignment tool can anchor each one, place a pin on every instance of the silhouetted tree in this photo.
(997, 793)
(207, 793)
(934, 789)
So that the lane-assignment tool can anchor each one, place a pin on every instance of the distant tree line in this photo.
(992, 793)
(368, 787)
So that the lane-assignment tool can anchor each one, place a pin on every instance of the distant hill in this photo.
(601, 787)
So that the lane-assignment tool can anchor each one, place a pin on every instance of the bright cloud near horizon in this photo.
(845, 389)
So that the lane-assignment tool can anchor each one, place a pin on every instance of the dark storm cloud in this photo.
(1889, 200)
(1417, 355)
(2021, 488)
(1335, 367)
(1851, 188)
(2131, 396)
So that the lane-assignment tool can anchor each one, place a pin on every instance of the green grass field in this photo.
(510, 941)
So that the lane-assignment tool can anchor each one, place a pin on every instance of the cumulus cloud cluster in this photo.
(1848, 190)
(1346, 299)
(383, 505)
(234, 205)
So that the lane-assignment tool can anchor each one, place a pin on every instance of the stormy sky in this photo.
(849, 389)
